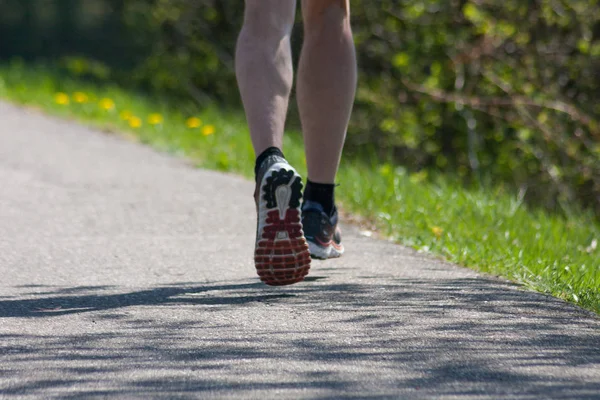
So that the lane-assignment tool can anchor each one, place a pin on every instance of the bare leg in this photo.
(326, 84)
(263, 66)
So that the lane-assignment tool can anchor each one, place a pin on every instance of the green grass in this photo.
(487, 229)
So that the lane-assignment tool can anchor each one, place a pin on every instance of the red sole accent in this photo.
(337, 246)
(330, 243)
(282, 261)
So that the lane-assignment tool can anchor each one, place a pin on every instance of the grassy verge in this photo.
(486, 229)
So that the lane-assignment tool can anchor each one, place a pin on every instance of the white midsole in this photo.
(324, 252)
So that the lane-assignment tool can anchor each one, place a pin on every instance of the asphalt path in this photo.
(126, 273)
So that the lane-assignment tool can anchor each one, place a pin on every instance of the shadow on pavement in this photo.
(410, 338)
(59, 302)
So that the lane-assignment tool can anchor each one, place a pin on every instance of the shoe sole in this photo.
(323, 253)
(281, 256)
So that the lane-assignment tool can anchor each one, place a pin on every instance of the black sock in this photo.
(271, 151)
(321, 193)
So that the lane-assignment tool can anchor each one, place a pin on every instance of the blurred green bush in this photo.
(483, 89)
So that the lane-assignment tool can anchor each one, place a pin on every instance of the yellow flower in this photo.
(61, 98)
(106, 104)
(193, 122)
(155, 119)
(125, 115)
(135, 122)
(437, 231)
(208, 130)
(385, 170)
(80, 97)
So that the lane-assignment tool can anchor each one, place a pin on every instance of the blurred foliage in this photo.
(508, 90)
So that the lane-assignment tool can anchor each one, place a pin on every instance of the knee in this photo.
(269, 19)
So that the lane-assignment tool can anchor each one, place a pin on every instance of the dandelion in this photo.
(135, 122)
(80, 97)
(208, 130)
(193, 122)
(106, 104)
(385, 170)
(125, 115)
(437, 231)
(155, 119)
(61, 98)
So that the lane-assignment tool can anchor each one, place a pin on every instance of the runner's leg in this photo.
(264, 72)
(326, 84)
(263, 65)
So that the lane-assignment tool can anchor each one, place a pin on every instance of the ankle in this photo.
(271, 151)
(322, 193)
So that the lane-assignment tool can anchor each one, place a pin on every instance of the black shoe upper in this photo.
(263, 168)
(320, 228)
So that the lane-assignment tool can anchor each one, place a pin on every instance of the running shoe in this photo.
(281, 254)
(322, 233)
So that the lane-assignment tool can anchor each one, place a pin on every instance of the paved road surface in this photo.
(125, 273)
